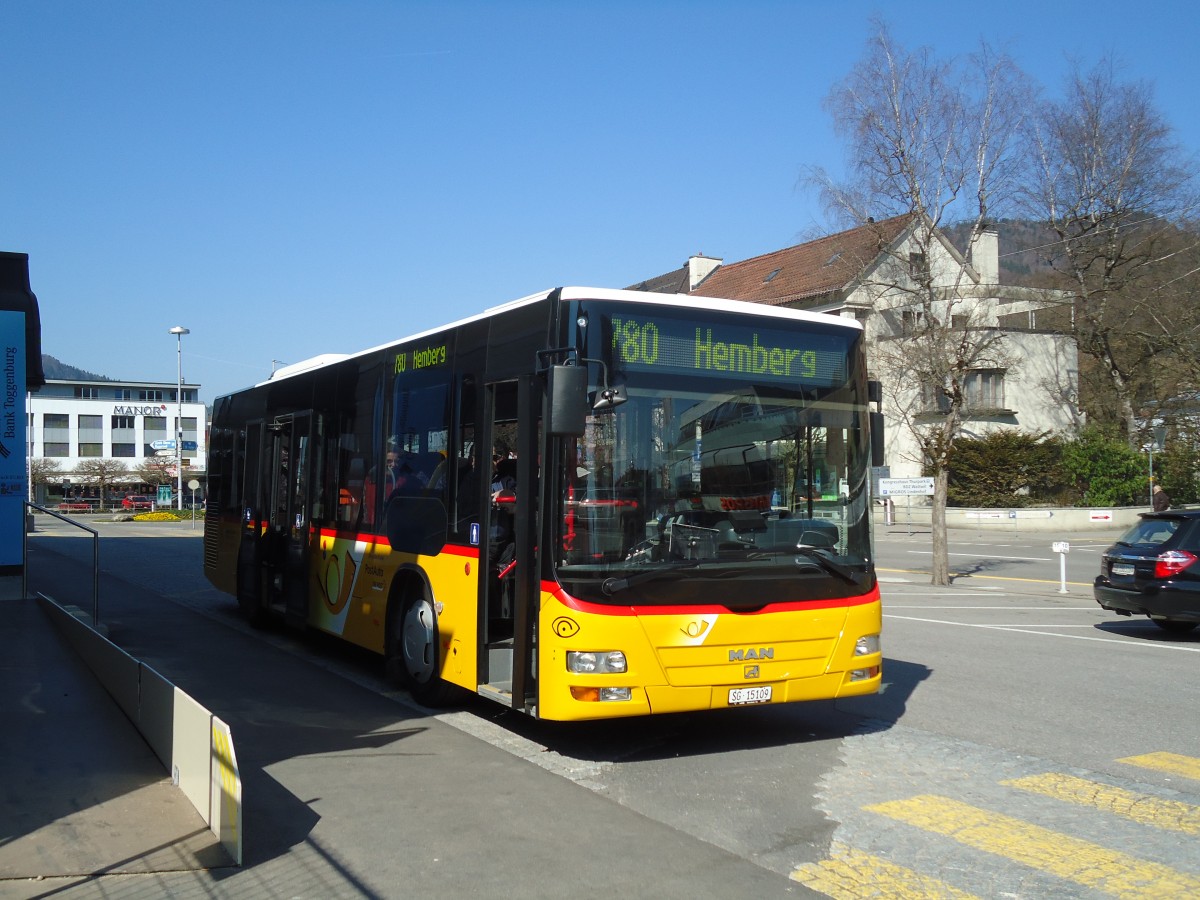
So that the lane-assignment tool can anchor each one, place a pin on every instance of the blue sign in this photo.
(14, 449)
(170, 445)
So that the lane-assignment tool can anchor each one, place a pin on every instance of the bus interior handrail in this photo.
(95, 558)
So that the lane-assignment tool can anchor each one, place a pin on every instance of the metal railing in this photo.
(95, 558)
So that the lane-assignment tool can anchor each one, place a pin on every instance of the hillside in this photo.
(60, 371)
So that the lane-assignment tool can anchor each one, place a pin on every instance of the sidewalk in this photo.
(83, 793)
(347, 793)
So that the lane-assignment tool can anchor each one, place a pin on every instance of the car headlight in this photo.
(607, 662)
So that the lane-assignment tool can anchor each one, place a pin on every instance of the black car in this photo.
(1154, 570)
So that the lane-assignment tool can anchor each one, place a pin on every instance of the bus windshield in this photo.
(739, 458)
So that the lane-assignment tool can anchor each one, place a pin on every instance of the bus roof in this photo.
(685, 301)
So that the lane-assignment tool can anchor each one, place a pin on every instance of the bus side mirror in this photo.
(877, 454)
(567, 391)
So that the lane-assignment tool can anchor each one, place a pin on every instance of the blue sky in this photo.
(293, 177)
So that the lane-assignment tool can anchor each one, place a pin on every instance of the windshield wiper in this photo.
(824, 562)
(610, 586)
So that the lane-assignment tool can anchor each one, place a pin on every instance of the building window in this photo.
(119, 422)
(87, 393)
(124, 451)
(91, 429)
(146, 394)
(56, 420)
(56, 448)
(911, 321)
(918, 266)
(984, 389)
(90, 450)
(934, 399)
(123, 394)
(156, 424)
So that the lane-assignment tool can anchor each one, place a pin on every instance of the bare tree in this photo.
(104, 473)
(156, 470)
(42, 471)
(1105, 174)
(936, 141)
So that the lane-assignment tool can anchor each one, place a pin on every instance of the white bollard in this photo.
(1062, 548)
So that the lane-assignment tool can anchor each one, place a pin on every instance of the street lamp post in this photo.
(179, 331)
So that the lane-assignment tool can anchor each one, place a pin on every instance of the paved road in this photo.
(352, 791)
(1030, 720)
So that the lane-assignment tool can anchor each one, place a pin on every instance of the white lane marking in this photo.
(990, 556)
(1074, 637)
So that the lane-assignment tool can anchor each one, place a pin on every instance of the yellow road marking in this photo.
(1048, 851)
(1172, 763)
(854, 875)
(1169, 815)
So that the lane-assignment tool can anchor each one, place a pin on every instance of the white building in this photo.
(869, 274)
(131, 422)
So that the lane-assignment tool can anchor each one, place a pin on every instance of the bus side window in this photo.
(350, 491)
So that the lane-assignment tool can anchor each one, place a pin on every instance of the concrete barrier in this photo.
(192, 744)
(916, 512)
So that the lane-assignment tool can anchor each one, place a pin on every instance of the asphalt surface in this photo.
(346, 792)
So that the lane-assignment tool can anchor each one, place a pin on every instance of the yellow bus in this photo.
(583, 504)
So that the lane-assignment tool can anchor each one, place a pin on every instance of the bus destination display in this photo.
(675, 345)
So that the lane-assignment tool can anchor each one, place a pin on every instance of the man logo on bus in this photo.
(751, 653)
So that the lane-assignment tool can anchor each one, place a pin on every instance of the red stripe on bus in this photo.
(380, 540)
(585, 606)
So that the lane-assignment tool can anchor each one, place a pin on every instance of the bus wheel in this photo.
(412, 658)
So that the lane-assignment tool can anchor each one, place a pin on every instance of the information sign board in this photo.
(901, 487)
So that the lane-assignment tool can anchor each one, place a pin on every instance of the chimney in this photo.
(699, 268)
(985, 256)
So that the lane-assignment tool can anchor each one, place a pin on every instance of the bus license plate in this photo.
(1122, 569)
(742, 696)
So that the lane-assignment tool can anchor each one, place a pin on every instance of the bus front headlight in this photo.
(605, 662)
(866, 645)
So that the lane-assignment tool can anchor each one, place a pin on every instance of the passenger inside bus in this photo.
(399, 477)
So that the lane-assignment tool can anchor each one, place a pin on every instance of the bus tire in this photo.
(413, 651)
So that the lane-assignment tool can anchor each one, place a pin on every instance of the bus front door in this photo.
(508, 620)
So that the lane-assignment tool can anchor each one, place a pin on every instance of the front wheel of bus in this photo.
(413, 653)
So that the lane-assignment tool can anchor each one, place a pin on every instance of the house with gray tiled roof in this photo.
(869, 273)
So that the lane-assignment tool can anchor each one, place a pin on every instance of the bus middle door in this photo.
(286, 554)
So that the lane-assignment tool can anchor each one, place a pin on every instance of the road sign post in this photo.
(1062, 548)
(905, 487)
